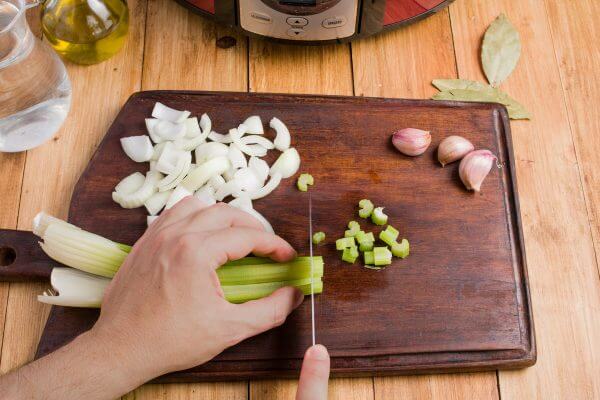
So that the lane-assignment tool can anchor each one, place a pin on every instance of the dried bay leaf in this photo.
(500, 50)
(489, 95)
(451, 84)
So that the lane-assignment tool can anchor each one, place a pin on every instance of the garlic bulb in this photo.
(411, 141)
(474, 167)
(453, 148)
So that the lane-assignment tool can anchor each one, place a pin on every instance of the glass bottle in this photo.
(35, 91)
(85, 31)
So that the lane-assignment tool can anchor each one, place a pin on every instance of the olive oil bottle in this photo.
(85, 31)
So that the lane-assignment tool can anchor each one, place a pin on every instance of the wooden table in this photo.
(558, 167)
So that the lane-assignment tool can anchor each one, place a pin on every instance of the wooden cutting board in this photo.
(460, 302)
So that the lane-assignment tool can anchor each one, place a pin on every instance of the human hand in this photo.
(314, 376)
(165, 306)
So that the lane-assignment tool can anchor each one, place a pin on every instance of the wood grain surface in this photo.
(557, 169)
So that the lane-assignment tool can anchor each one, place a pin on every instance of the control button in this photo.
(334, 22)
(260, 17)
(296, 32)
(297, 21)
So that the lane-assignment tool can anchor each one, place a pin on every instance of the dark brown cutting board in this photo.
(460, 302)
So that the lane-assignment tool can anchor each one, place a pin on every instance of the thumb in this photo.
(314, 376)
(269, 312)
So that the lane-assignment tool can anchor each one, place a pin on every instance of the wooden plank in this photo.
(185, 56)
(575, 41)
(52, 170)
(401, 64)
(562, 265)
(280, 68)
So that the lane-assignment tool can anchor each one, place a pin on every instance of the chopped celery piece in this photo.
(369, 257)
(366, 208)
(350, 254)
(401, 249)
(378, 217)
(354, 228)
(303, 181)
(318, 237)
(362, 237)
(366, 246)
(382, 256)
(389, 235)
(344, 243)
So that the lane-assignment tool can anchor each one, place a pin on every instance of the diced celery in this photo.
(369, 257)
(389, 235)
(343, 243)
(303, 181)
(350, 254)
(362, 237)
(366, 246)
(366, 208)
(382, 256)
(378, 217)
(354, 228)
(318, 237)
(401, 249)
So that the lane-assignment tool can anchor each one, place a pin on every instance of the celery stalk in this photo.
(378, 217)
(362, 237)
(350, 254)
(366, 246)
(369, 258)
(366, 208)
(382, 256)
(243, 293)
(389, 235)
(343, 243)
(269, 272)
(401, 249)
(353, 229)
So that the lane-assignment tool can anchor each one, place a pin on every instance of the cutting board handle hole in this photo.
(8, 255)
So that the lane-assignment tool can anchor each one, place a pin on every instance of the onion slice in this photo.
(178, 194)
(210, 150)
(138, 148)
(236, 157)
(130, 183)
(150, 125)
(206, 194)
(287, 164)
(162, 112)
(198, 177)
(282, 139)
(254, 125)
(216, 182)
(260, 140)
(192, 128)
(169, 130)
(219, 137)
(231, 188)
(267, 189)
(260, 168)
(157, 202)
(181, 170)
(247, 180)
(251, 150)
(140, 196)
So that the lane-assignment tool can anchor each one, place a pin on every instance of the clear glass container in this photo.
(35, 91)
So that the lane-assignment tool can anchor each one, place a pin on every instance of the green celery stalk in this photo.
(366, 246)
(401, 249)
(343, 243)
(389, 235)
(353, 229)
(378, 217)
(350, 254)
(303, 181)
(270, 272)
(362, 237)
(243, 293)
(366, 208)
(382, 256)
(369, 258)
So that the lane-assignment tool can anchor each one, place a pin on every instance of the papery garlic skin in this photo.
(474, 167)
(453, 148)
(411, 141)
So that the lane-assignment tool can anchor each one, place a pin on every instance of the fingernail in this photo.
(318, 352)
(298, 298)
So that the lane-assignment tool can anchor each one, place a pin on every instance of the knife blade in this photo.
(312, 270)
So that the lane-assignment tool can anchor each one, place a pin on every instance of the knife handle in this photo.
(22, 258)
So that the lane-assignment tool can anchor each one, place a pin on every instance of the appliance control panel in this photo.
(336, 22)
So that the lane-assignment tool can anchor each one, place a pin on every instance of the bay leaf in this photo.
(488, 95)
(500, 50)
(450, 84)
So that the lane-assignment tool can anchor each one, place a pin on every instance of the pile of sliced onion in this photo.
(187, 157)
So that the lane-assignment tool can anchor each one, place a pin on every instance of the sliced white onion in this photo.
(282, 139)
(158, 149)
(247, 180)
(169, 130)
(140, 196)
(243, 203)
(216, 182)
(75, 288)
(206, 194)
(210, 150)
(267, 189)
(254, 125)
(251, 150)
(205, 125)
(260, 140)
(138, 148)
(157, 202)
(168, 159)
(229, 174)
(236, 157)
(260, 168)
(192, 128)
(219, 137)
(150, 125)
(198, 177)
(287, 164)
(176, 196)
(130, 183)
(150, 219)
(189, 144)
(181, 170)
(231, 188)
(163, 112)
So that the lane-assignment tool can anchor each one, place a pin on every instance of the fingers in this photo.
(258, 316)
(179, 212)
(235, 243)
(314, 376)
(221, 216)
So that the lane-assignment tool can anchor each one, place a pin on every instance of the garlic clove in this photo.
(474, 167)
(453, 148)
(411, 141)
